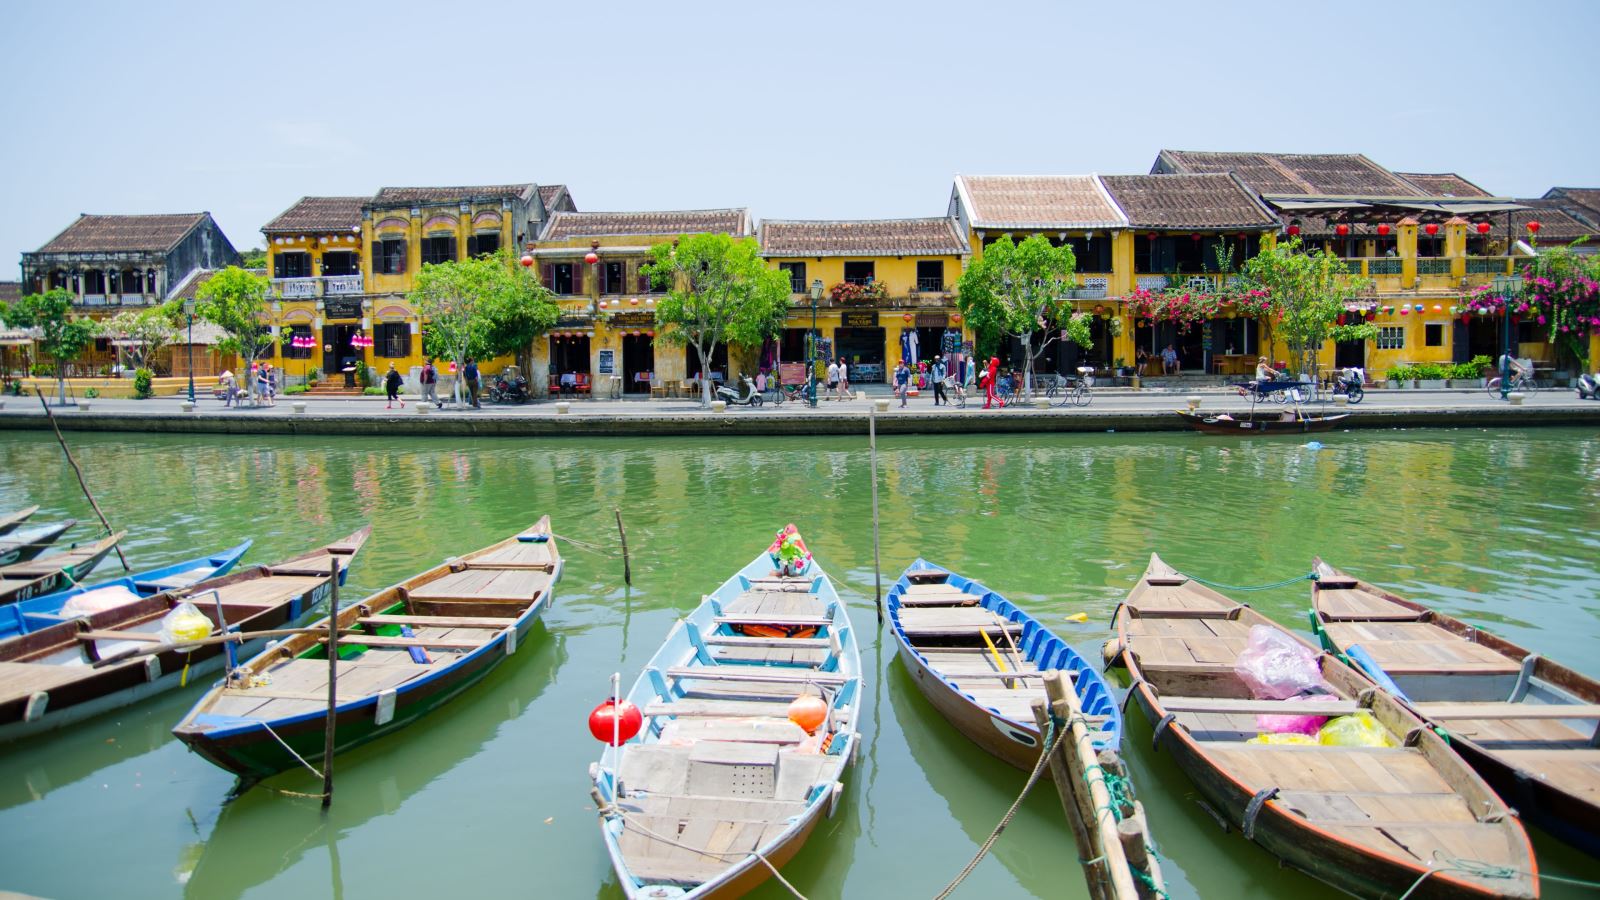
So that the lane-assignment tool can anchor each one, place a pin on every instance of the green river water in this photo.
(490, 795)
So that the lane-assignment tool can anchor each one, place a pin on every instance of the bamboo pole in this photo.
(333, 679)
(232, 637)
(877, 568)
(1089, 795)
(1063, 777)
(79, 472)
(627, 567)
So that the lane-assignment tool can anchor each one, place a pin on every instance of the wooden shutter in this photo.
(472, 245)
(602, 271)
(548, 275)
(401, 268)
(643, 277)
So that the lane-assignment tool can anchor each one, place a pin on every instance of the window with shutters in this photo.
(436, 250)
(613, 277)
(291, 265)
(859, 272)
(290, 351)
(797, 275)
(340, 262)
(389, 256)
(559, 277)
(484, 244)
(391, 340)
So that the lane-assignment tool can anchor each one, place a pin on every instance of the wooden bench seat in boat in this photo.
(176, 580)
(1576, 770)
(774, 656)
(1394, 770)
(495, 622)
(797, 621)
(94, 635)
(736, 640)
(1420, 648)
(517, 554)
(749, 729)
(1453, 711)
(1369, 808)
(920, 595)
(1331, 707)
(684, 707)
(22, 680)
(1343, 600)
(794, 585)
(373, 640)
(262, 591)
(757, 674)
(1198, 645)
(960, 620)
(774, 603)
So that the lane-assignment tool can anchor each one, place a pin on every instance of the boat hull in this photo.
(1249, 424)
(998, 737)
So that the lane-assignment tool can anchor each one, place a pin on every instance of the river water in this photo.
(490, 795)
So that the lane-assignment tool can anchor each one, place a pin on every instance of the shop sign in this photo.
(574, 322)
(608, 362)
(932, 320)
(632, 319)
(342, 309)
(858, 319)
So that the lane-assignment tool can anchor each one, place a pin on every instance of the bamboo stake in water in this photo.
(79, 472)
(877, 570)
(333, 681)
(627, 568)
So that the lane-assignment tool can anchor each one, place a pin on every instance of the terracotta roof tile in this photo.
(10, 291)
(1586, 201)
(1443, 184)
(862, 237)
(391, 196)
(557, 197)
(1556, 224)
(1329, 174)
(123, 234)
(1188, 201)
(1037, 201)
(318, 214)
(566, 225)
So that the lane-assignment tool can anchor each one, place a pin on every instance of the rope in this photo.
(1479, 869)
(629, 823)
(1310, 576)
(297, 756)
(1038, 770)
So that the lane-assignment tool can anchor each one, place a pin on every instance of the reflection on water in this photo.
(1501, 528)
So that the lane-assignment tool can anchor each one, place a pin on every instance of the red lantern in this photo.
(1294, 230)
(956, 318)
(906, 317)
(591, 257)
(1534, 226)
(1432, 228)
(527, 261)
(1483, 227)
(1383, 229)
(1151, 236)
(1195, 237)
(608, 720)
(1341, 229)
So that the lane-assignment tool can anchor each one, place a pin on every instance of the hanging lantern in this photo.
(1151, 236)
(956, 318)
(1383, 229)
(613, 723)
(1432, 228)
(907, 317)
(1438, 308)
(1533, 226)
(1419, 307)
(591, 257)
(1483, 227)
(1341, 229)
(1195, 237)
(1405, 310)
(527, 261)
(634, 301)
(1294, 230)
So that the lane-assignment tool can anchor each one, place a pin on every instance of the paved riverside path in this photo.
(1120, 409)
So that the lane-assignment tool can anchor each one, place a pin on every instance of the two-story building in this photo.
(886, 286)
(592, 262)
(314, 254)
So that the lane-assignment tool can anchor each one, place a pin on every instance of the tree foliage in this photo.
(145, 332)
(1560, 292)
(1306, 294)
(61, 337)
(236, 300)
(481, 307)
(1021, 290)
(719, 290)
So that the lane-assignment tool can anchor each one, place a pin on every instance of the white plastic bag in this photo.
(98, 600)
(185, 624)
(1276, 667)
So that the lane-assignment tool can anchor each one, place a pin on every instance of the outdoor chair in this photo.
(581, 385)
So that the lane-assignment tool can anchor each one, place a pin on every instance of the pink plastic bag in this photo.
(1307, 725)
(1276, 667)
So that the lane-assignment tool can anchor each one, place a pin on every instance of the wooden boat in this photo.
(719, 778)
(403, 652)
(57, 571)
(1526, 723)
(26, 543)
(980, 661)
(45, 611)
(57, 674)
(11, 520)
(1286, 421)
(1371, 821)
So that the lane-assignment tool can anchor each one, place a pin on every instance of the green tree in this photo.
(235, 300)
(481, 307)
(255, 258)
(719, 290)
(1020, 290)
(144, 331)
(61, 337)
(1306, 294)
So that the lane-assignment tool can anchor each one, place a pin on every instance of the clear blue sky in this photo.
(797, 110)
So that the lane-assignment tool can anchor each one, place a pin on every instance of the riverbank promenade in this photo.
(1111, 409)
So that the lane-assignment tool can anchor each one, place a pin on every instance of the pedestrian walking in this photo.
(229, 386)
(988, 378)
(939, 375)
(429, 378)
(902, 382)
(261, 384)
(391, 384)
(272, 385)
(469, 373)
(844, 379)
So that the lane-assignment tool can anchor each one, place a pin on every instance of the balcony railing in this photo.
(1388, 265)
(1489, 265)
(295, 288)
(1433, 265)
(930, 285)
(307, 288)
(342, 284)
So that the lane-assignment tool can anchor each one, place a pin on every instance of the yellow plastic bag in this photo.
(1358, 730)
(1286, 737)
(184, 624)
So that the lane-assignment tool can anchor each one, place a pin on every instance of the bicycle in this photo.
(1519, 382)
(1076, 392)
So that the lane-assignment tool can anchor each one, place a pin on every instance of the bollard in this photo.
(83, 406)
(1516, 398)
(186, 406)
(422, 408)
(299, 407)
(881, 404)
(1193, 400)
(563, 407)
(718, 406)
(861, 395)
(2, 404)
(1341, 400)
(1041, 403)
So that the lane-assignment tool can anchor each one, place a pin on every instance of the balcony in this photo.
(930, 286)
(296, 288)
(342, 284)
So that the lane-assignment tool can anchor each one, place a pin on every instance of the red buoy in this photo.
(623, 721)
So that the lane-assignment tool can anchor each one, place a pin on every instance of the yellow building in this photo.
(887, 290)
(604, 342)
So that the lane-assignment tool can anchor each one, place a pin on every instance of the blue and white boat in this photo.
(26, 543)
(731, 769)
(980, 660)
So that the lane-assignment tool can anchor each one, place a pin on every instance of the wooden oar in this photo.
(994, 651)
(229, 637)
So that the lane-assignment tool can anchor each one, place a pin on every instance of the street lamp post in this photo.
(188, 310)
(811, 366)
(1506, 286)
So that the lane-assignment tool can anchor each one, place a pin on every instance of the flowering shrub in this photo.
(845, 292)
(1560, 291)
(1190, 308)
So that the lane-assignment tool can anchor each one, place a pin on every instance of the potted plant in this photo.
(1400, 377)
(1430, 376)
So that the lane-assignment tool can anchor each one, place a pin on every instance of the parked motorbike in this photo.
(1589, 387)
(1349, 384)
(751, 396)
(513, 389)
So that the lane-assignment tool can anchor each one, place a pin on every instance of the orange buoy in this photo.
(808, 712)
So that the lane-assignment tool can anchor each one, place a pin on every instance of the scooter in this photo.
(751, 396)
(508, 390)
(1589, 387)
(1349, 384)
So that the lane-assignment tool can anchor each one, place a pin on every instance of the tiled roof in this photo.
(123, 234)
(1188, 201)
(1037, 201)
(1587, 201)
(10, 291)
(318, 214)
(566, 225)
(391, 196)
(1443, 184)
(862, 237)
(1556, 224)
(556, 196)
(1327, 174)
